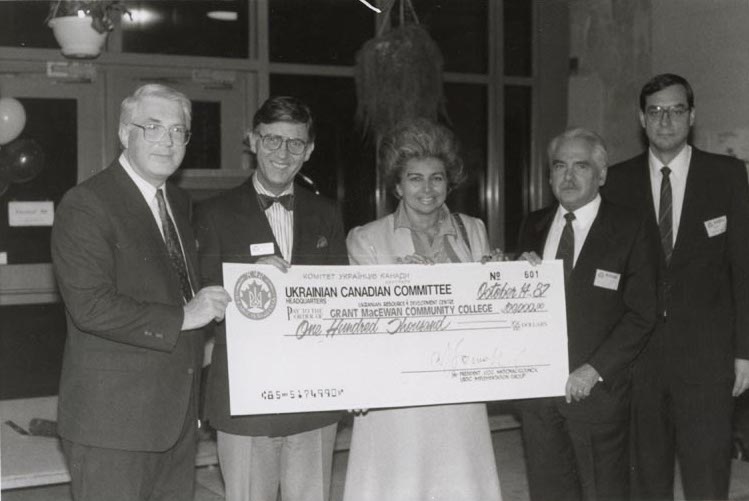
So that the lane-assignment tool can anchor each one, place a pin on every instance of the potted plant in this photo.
(81, 27)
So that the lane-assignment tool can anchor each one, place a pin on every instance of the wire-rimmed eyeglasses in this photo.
(153, 133)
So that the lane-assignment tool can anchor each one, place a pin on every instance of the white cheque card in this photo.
(349, 337)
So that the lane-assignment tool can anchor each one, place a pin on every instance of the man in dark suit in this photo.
(126, 265)
(576, 446)
(697, 210)
(268, 220)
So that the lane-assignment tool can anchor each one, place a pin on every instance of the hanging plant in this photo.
(398, 75)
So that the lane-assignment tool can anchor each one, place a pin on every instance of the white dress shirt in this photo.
(281, 220)
(149, 195)
(679, 169)
(584, 217)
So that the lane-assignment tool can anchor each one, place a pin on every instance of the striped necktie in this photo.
(171, 239)
(665, 220)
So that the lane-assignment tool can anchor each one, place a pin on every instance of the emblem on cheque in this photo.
(254, 295)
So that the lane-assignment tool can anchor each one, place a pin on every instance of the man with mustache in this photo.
(576, 445)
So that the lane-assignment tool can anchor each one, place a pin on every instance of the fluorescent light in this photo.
(141, 16)
(222, 15)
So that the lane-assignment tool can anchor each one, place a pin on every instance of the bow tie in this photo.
(266, 201)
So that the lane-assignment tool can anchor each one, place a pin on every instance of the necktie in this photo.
(173, 247)
(266, 201)
(665, 221)
(566, 249)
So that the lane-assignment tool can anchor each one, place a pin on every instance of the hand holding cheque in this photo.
(337, 337)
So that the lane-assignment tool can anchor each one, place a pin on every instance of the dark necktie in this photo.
(665, 221)
(173, 247)
(266, 201)
(566, 249)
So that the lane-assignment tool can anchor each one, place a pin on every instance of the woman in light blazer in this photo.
(440, 452)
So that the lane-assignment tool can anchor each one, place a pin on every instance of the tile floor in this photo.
(507, 447)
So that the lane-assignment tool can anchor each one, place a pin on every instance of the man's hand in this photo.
(276, 261)
(208, 304)
(742, 376)
(580, 383)
(531, 257)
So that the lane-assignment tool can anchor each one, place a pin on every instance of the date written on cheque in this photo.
(300, 394)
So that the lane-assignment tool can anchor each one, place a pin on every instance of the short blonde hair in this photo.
(419, 139)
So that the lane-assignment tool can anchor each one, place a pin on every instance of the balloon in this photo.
(12, 119)
(22, 160)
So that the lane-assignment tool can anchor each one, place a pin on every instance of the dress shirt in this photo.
(584, 217)
(439, 249)
(281, 220)
(679, 169)
(149, 195)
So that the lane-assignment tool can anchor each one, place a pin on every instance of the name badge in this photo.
(716, 226)
(264, 249)
(607, 279)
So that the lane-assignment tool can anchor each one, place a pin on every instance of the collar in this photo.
(259, 188)
(679, 165)
(584, 216)
(147, 189)
(444, 221)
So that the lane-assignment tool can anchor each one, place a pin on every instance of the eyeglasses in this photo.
(293, 145)
(656, 113)
(153, 133)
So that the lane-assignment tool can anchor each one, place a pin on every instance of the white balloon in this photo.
(12, 119)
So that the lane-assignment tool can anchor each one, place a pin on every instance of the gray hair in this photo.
(127, 108)
(599, 153)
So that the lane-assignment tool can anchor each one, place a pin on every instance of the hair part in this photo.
(599, 153)
(130, 103)
(285, 109)
(660, 82)
(419, 139)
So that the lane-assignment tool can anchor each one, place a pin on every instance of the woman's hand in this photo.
(531, 257)
(494, 255)
(359, 412)
(415, 259)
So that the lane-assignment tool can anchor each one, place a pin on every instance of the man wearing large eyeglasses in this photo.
(697, 359)
(270, 220)
(126, 265)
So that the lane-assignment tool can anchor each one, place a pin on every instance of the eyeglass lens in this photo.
(293, 145)
(156, 132)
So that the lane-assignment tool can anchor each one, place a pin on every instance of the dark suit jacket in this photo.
(605, 328)
(226, 227)
(128, 371)
(705, 288)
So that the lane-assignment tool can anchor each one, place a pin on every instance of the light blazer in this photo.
(127, 371)
(705, 288)
(380, 242)
(226, 227)
(605, 328)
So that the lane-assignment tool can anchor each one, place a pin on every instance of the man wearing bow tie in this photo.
(269, 220)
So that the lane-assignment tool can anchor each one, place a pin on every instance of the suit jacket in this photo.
(606, 328)
(380, 242)
(226, 227)
(128, 372)
(704, 290)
